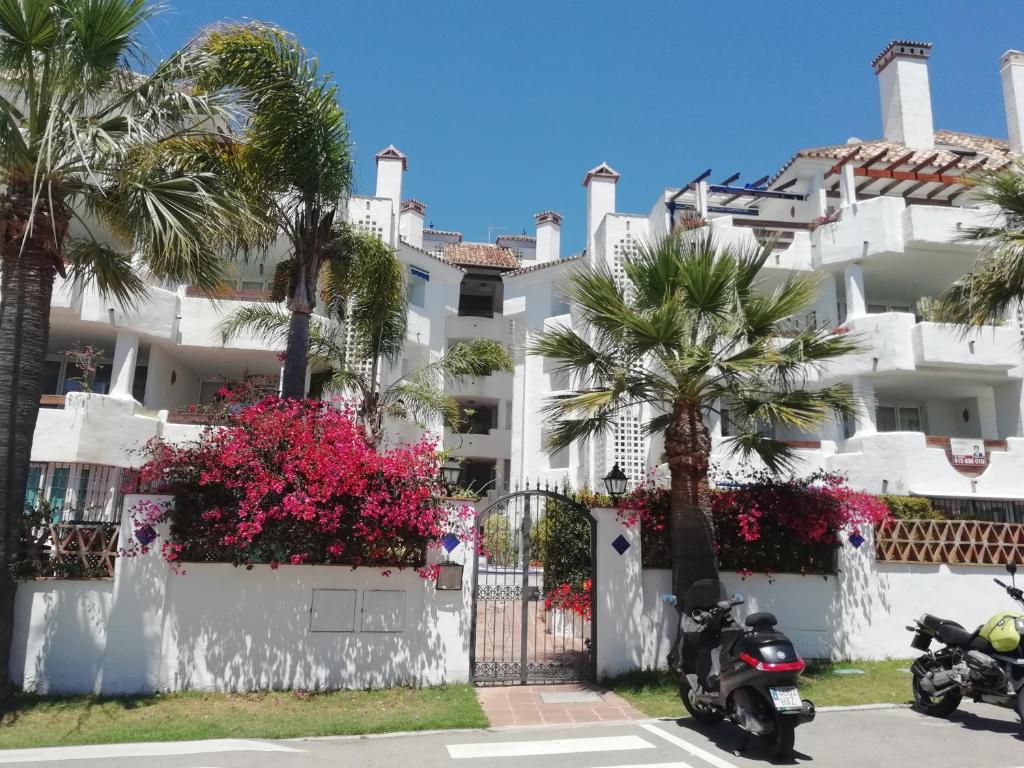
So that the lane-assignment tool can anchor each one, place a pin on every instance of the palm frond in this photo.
(112, 270)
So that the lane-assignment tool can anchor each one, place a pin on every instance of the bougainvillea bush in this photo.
(764, 524)
(289, 481)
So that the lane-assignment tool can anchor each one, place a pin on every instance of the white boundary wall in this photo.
(860, 613)
(217, 627)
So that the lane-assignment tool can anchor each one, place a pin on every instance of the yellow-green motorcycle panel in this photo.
(1003, 631)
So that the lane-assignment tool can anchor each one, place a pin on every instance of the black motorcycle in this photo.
(746, 674)
(986, 664)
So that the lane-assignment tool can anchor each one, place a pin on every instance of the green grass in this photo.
(656, 693)
(39, 721)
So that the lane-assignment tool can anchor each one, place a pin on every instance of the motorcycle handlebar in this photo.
(997, 581)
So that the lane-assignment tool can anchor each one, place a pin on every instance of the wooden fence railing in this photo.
(69, 550)
(950, 541)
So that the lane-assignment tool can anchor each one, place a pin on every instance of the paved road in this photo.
(979, 735)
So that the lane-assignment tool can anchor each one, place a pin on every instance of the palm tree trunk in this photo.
(301, 303)
(691, 527)
(26, 284)
(296, 360)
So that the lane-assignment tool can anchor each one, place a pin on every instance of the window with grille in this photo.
(369, 224)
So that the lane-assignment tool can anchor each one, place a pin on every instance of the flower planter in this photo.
(449, 576)
(562, 623)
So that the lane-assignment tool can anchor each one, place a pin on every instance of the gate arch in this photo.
(533, 598)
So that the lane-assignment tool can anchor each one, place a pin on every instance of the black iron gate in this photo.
(533, 596)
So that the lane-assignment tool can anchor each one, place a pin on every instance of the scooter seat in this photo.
(761, 621)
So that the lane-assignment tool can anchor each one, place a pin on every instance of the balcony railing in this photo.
(69, 550)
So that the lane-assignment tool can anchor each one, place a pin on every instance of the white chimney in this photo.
(902, 70)
(391, 164)
(600, 183)
(411, 224)
(1011, 70)
(549, 236)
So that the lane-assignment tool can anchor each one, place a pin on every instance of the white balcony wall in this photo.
(495, 444)
(939, 225)
(864, 230)
(936, 344)
(67, 295)
(200, 318)
(887, 346)
(494, 328)
(497, 386)
(93, 429)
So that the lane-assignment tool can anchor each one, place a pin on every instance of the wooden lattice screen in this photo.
(950, 541)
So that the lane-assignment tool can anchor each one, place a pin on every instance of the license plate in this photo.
(786, 698)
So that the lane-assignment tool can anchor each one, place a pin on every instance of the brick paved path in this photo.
(525, 705)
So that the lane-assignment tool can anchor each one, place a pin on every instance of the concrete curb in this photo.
(488, 729)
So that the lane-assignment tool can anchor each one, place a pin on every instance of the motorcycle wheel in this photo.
(780, 741)
(937, 706)
(702, 713)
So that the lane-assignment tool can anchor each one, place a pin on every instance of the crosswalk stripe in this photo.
(549, 747)
(142, 749)
(696, 751)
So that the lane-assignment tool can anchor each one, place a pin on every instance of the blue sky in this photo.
(502, 107)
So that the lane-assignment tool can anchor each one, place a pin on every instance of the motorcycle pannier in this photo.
(1001, 631)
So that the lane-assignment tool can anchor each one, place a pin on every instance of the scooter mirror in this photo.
(669, 599)
(1011, 568)
(739, 598)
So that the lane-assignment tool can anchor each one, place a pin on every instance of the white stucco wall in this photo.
(217, 627)
(859, 613)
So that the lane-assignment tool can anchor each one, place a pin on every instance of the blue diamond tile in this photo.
(856, 539)
(145, 535)
(450, 541)
(620, 544)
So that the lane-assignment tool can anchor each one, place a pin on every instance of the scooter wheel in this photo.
(702, 713)
(938, 706)
(780, 741)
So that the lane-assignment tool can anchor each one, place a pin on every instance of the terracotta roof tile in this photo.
(517, 238)
(480, 255)
(545, 265)
(995, 152)
(427, 232)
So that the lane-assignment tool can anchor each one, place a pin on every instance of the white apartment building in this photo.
(877, 219)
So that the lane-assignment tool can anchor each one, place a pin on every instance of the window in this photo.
(898, 417)
(417, 287)
(83, 490)
(33, 486)
(252, 285)
(59, 491)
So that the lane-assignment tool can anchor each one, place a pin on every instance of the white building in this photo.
(878, 220)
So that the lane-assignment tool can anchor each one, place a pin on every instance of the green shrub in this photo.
(912, 508)
(497, 542)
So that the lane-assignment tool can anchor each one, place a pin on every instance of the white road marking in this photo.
(696, 751)
(549, 747)
(147, 749)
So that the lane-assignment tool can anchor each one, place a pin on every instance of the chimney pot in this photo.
(1011, 72)
(391, 164)
(902, 69)
(549, 236)
(410, 224)
(600, 183)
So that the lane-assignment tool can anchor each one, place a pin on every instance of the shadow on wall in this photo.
(304, 627)
(60, 632)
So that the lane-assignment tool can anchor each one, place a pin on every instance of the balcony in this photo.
(863, 230)
(933, 225)
(937, 345)
(497, 386)
(493, 444)
(894, 342)
(470, 327)
(67, 295)
(200, 318)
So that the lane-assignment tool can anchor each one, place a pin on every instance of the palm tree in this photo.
(691, 330)
(105, 175)
(982, 297)
(295, 159)
(363, 286)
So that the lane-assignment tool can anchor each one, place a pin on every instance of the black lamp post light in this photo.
(615, 482)
(451, 473)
